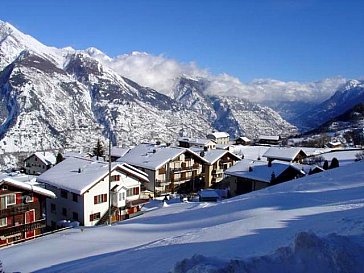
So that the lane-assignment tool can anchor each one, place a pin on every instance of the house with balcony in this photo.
(86, 193)
(167, 167)
(219, 137)
(39, 162)
(218, 161)
(22, 206)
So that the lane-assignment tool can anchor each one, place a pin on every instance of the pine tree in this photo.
(59, 158)
(334, 163)
(99, 149)
(326, 165)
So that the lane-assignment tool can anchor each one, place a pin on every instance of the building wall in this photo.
(61, 203)
(33, 165)
(86, 202)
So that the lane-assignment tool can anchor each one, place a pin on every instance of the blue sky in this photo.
(301, 40)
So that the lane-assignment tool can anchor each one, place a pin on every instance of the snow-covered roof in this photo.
(77, 174)
(152, 156)
(263, 137)
(118, 151)
(46, 157)
(259, 169)
(283, 153)
(213, 155)
(196, 141)
(217, 135)
(245, 139)
(27, 186)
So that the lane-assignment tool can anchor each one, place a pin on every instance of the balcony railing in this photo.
(7, 231)
(14, 210)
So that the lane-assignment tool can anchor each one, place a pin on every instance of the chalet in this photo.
(217, 162)
(219, 137)
(288, 154)
(22, 206)
(242, 141)
(84, 191)
(268, 140)
(203, 143)
(167, 167)
(248, 175)
(39, 162)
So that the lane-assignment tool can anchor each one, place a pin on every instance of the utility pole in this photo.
(110, 178)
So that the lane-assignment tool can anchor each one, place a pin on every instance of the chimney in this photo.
(79, 170)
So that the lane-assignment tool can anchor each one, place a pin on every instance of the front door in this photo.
(29, 218)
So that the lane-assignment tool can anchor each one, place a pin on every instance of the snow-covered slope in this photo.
(229, 232)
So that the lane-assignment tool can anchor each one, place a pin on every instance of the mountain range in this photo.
(54, 98)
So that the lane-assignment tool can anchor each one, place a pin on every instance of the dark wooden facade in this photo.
(21, 214)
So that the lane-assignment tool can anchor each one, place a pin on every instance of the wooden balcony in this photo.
(8, 231)
(162, 171)
(14, 210)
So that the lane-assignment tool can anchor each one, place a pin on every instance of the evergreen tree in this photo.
(59, 158)
(326, 165)
(99, 149)
(334, 163)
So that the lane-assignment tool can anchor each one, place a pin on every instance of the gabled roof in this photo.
(27, 186)
(196, 141)
(219, 134)
(213, 155)
(283, 153)
(46, 157)
(152, 157)
(259, 169)
(77, 174)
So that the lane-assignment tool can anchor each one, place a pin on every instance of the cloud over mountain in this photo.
(161, 73)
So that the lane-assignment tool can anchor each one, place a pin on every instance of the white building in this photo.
(82, 189)
(39, 162)
(219, 137)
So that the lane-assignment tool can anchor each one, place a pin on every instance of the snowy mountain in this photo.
(231, 114)
(345, 98)
(311, 224)
(53, 98)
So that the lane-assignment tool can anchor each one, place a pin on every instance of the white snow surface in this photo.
(289, 223)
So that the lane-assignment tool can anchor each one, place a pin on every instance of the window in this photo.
(11, 199)
(64, 212)
(64, 194)
(121, 196)
(3, 202)
(53, 208)
(100, 198)
(75, 216)
(95, 216)
(75, 197)
(132, 191)
(3, 222)
(115, 178)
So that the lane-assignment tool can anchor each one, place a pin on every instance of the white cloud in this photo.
(161, 73)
